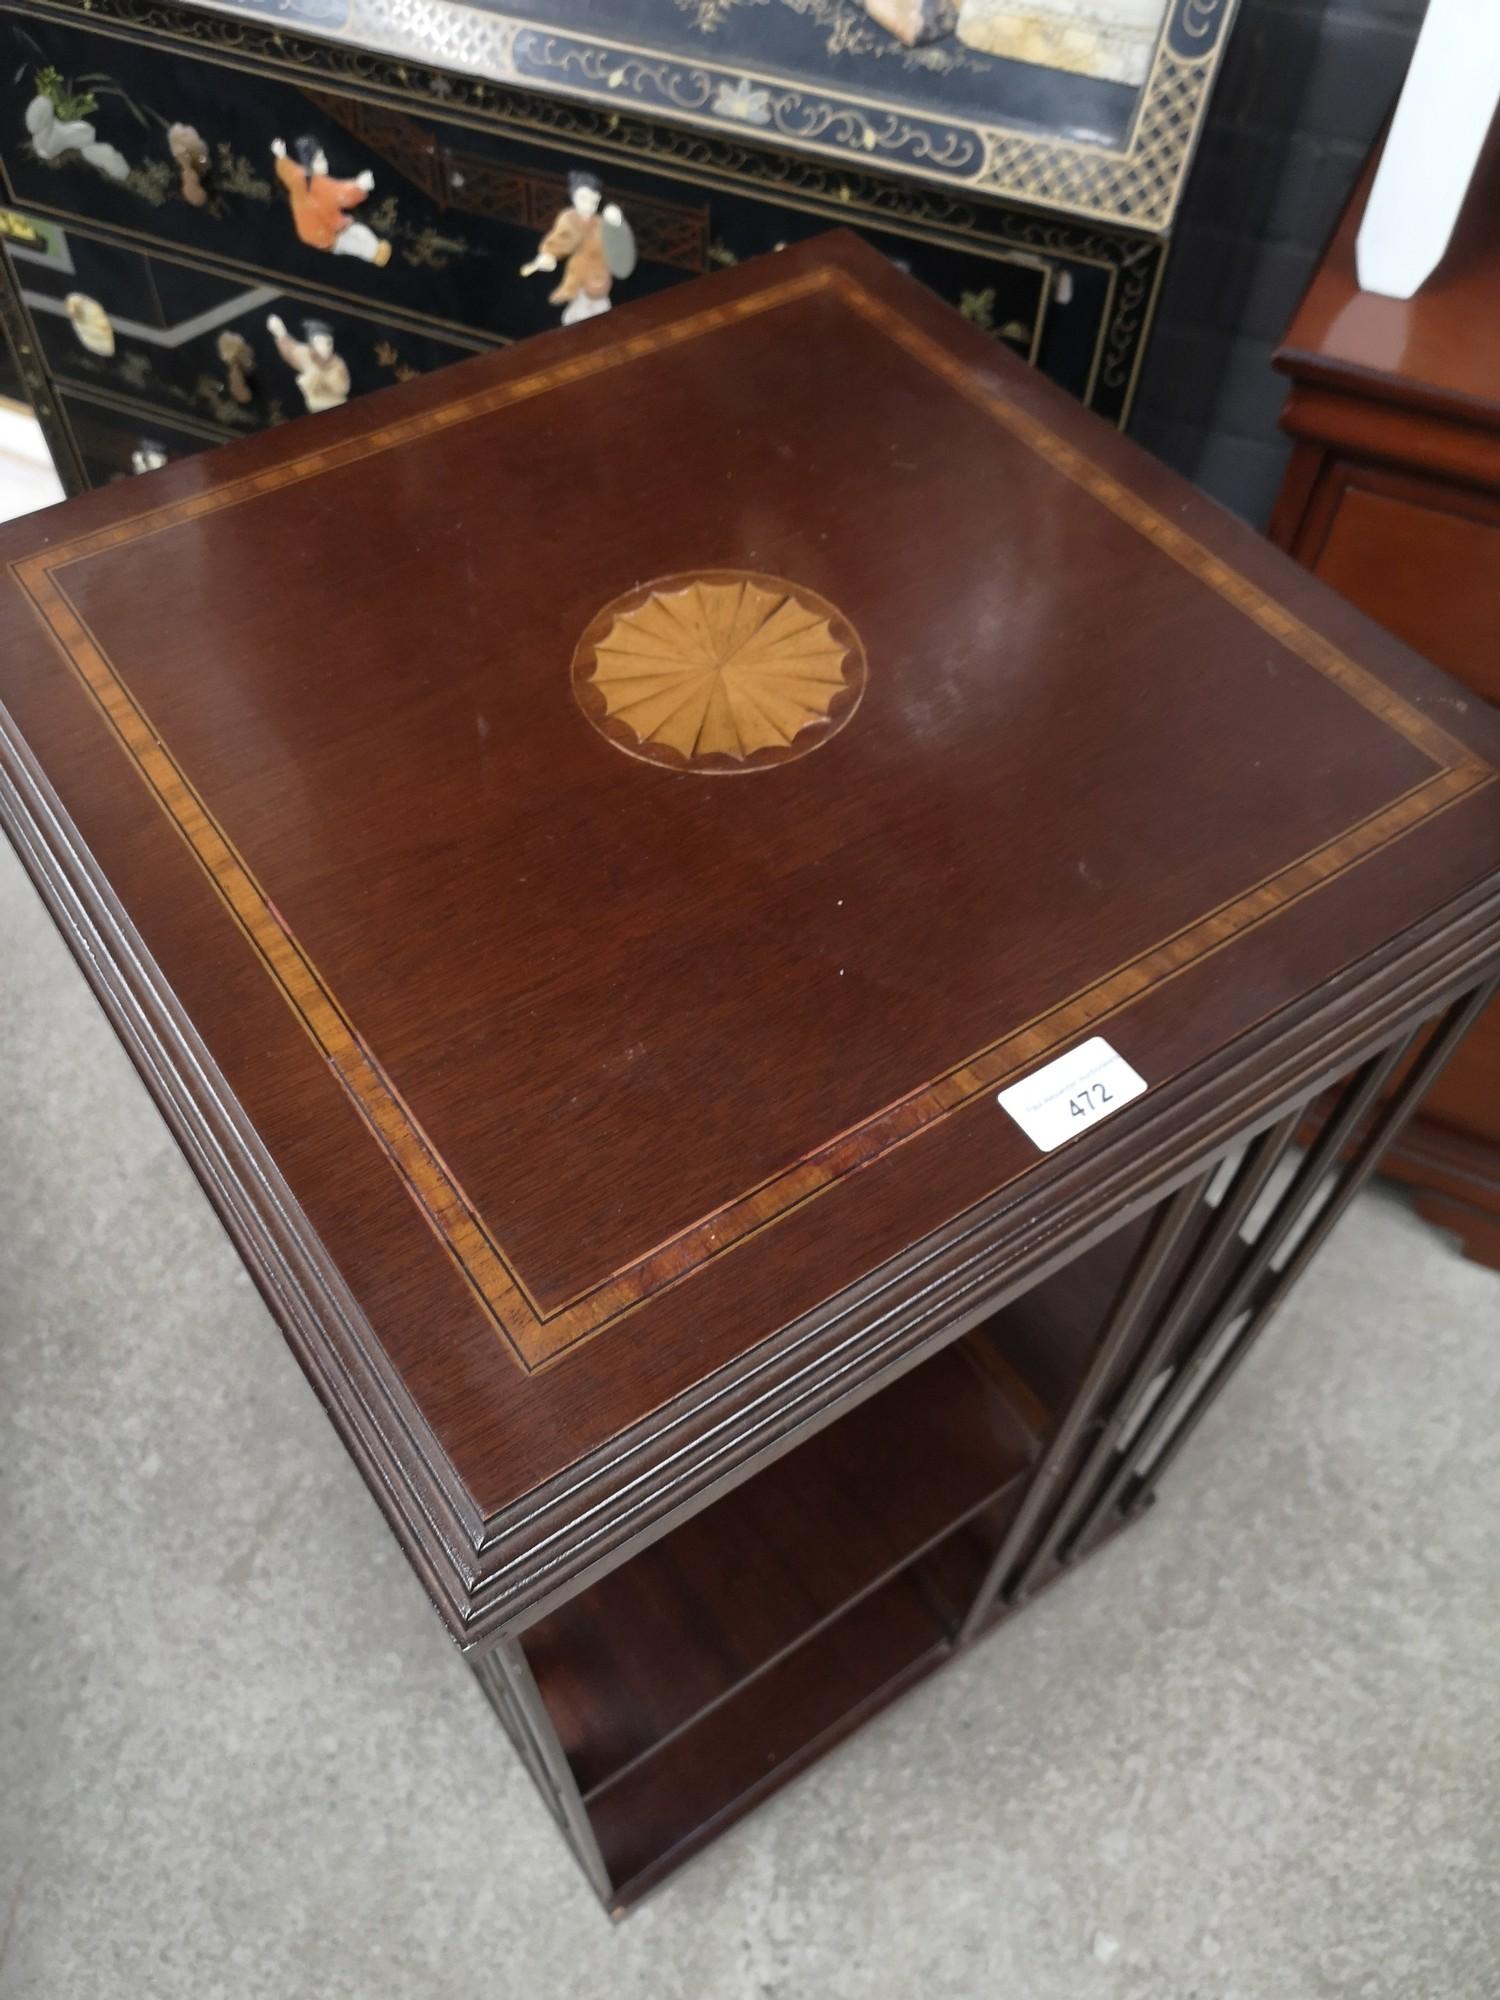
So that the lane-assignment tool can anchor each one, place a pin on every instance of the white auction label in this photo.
(1057, 1102)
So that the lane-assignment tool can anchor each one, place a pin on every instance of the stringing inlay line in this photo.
(534, 1337)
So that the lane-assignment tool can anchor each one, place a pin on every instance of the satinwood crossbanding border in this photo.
(534, 1337)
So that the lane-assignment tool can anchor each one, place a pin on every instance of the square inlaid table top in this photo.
(579, 844)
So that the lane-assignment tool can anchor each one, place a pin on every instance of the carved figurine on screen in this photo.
(597, 244)
(190, 156)
(321, 205)
(59, 122)
(238, 357)
(914, 22)
(321, 372)
(91, 323)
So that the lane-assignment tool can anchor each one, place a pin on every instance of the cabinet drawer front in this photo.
(195, 345)
(115, 440)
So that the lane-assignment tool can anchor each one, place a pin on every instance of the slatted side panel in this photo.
(1166, 1352)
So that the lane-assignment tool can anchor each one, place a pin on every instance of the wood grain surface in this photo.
(629, 1117)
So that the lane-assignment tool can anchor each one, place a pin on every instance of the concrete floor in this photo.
(1252, 1752)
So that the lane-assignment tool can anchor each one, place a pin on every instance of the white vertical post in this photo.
(1446, 105)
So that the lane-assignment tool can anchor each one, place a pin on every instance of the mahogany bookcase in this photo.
(775, 949)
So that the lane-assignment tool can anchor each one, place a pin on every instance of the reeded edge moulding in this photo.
(719, 672)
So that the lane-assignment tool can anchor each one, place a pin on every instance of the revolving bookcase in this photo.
(775, 948)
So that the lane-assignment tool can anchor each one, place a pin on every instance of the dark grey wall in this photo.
(1306, 85)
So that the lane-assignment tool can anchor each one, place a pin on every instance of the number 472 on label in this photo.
(1090, 1102)
(1065, 1097)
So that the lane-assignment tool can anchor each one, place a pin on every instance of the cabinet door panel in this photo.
(108, 437)
(1467, 1094)
(1425, 561)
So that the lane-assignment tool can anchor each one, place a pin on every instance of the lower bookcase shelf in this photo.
(629, 1662)
(769, 1728)
(717, 1662)
(722, 1659)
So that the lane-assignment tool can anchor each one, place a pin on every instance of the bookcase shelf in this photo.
(651, 1649)
(719, 1661)
(769, 1728)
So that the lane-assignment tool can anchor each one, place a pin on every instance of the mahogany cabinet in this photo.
(769, 1034)
(1392, 496)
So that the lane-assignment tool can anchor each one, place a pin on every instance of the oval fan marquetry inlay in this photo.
(720, 671)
